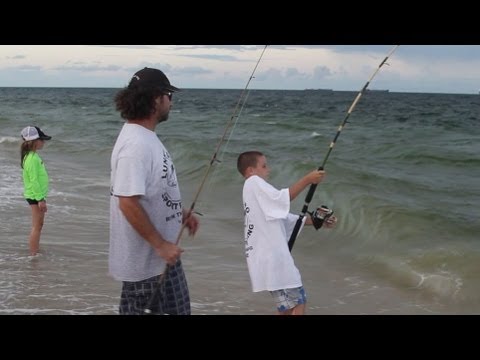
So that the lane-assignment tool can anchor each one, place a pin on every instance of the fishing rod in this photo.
(241, 101)
(222, 139)
(313, 187)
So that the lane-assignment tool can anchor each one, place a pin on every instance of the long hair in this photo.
(25, 148)
(137, 102)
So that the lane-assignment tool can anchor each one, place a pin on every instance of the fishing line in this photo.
(233, 119)
(313, 187)
(241, 100)
(229, 137)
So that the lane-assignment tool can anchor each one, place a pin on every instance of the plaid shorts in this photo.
(286, 299)
(160, 295)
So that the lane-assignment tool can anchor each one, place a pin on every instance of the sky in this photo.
(411, 68)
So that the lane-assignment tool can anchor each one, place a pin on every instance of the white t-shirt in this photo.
(268, 226)
(140, 165)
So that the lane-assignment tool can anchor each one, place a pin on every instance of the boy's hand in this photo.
(330, 222)
(316, 176)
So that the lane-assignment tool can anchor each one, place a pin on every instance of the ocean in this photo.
(403, 180)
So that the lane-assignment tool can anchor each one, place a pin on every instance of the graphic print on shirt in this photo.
(249, 227)
(172, 203)
(169, 170)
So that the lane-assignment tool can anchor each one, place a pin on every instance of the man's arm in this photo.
(138, 218)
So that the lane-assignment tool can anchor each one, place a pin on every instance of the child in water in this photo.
(35, 181)
(268, 226)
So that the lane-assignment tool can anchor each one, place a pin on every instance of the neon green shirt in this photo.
(35, 177)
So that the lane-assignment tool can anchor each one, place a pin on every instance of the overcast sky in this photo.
(412, 68)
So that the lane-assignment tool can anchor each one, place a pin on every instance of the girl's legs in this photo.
(37, 224)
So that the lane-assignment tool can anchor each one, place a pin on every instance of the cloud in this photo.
(126, 46)
(434, 68)
(25, 68)
(240, 48)
(87, 68)
(15, 57)
(212, 57)
(192, 71)
(443, 52)
(294, 73)
(321, 72)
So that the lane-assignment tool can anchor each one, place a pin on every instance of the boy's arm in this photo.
(313, 177)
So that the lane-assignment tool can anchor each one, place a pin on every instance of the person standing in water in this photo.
(146, 212)
(267, 228)
(35, 181)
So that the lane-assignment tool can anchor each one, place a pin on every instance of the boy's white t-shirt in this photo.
(268, 226)
(140, 165)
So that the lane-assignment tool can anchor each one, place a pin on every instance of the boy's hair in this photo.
(247, 159)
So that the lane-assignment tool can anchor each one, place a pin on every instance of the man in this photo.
(146, 213)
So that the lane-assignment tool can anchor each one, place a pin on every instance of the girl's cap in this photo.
(33, 133)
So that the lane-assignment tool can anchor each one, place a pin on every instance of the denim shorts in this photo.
(287, 299)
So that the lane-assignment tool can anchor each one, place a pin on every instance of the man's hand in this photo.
(191, 222)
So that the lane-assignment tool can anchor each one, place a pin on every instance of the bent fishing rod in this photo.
(313, 187)
(239, 105)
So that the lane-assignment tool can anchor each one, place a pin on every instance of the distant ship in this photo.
(324, 90)
(378, 90)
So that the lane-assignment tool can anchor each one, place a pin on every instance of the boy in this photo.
(268, 225)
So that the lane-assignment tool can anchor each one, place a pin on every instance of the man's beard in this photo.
(163, 117)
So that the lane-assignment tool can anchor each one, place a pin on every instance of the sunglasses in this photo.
(169, 94)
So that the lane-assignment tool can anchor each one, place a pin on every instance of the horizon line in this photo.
(194, 88)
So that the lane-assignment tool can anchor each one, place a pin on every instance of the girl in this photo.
(35, 181)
